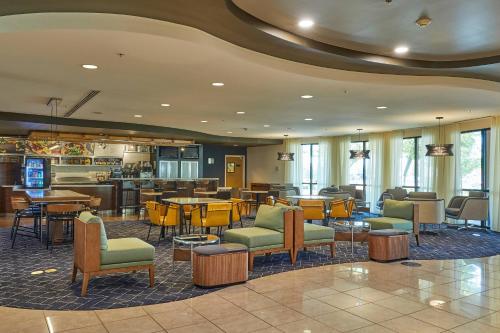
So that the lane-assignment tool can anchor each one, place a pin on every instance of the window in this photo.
(357, 167)
(409, 163)
(474, 154)
(310, 163)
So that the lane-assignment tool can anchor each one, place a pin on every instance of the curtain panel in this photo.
(494, 197)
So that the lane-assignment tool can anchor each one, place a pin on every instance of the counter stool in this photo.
(23, 210)
(388, 244)
(60, 217)
(218, 265)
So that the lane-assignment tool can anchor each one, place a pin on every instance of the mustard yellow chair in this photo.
(270, 200)
(163, 216)
(238, 207)
(217, 215)
(283, 201)
(341, 209)
(313, 209)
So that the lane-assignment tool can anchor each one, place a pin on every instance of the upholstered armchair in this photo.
(468, 208)
(422, 195)
(431, 211)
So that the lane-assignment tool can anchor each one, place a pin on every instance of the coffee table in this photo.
(186, 243)
(357, 231)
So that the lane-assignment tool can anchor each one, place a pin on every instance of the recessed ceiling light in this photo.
(217, 84)
(306, 23)
(381, 107)
(240, 112)
(229, 132)
(204, 121)
(138, 115)
(235, 145)
(306, 96)
(165, 104)
(308, 119)
(267, 125)
(402, 49)
(89, 66)
(97, 112)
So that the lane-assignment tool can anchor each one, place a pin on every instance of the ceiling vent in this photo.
(81, 103)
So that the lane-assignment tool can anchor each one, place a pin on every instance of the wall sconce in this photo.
(211, 160)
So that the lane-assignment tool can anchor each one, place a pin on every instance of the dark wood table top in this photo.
(193, 201)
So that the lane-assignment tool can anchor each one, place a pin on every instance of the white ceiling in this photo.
(460, 29)
(41, 56)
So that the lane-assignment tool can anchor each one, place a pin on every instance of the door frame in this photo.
(243, 174)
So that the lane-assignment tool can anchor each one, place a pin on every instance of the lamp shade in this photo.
(439, 150)
(285, 156)
(355, 154)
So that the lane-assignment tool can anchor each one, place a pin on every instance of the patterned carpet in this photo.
(53, 290)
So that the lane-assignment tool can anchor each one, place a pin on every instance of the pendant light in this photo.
(285, 156)
(355, 154)
(439, 149)
(53, 144)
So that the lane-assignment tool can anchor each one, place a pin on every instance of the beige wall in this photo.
(263, 165)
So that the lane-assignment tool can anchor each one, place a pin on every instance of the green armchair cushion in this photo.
(313, 232)
(255, 237)
(378, 223)
(270, 217)
(398, 209)
(126, 251)
(88, 217)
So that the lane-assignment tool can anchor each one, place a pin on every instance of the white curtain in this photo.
(375, 168)
(340, 160)
(494, 162)
(393, 175)
(293, 170)
(449, 180)
(427, 164)
(324, 162)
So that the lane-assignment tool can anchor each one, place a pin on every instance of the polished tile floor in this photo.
(461, 296)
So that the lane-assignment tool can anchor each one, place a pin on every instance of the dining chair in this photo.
(270, 200)
(341, 209)
(94, 204)
(23, 210)
(163, 216)
(217, 215)
(61, 220)
(237, 210)
(282, 201)
(313, 209)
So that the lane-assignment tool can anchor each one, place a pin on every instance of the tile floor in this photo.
(461, 296)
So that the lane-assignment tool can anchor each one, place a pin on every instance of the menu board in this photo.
(12, 146)
(77, 149)
(42, 147)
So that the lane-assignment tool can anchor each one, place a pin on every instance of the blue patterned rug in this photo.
(19, 288)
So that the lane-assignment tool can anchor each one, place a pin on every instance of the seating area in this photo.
(247, 166)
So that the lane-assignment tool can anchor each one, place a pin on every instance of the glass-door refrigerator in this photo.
(37, 173)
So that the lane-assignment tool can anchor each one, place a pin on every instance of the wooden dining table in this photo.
(44, 197)
(187, 201)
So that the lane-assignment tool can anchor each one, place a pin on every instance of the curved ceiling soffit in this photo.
(225, 20)
(355, 54)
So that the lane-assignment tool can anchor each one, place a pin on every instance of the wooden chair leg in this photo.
(416, 238)
(151, 276)
(149, 231)
(333, 248)
(250, 261)
(85, 283)
(73, 275)
(293, 257)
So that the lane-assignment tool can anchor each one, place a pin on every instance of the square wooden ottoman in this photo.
(217, 265)
(388, 244)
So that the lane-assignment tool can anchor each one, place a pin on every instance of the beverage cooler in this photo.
(37, 173)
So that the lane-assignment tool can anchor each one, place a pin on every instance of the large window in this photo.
(474, 149)
(357, 167)
(310, 163)
(409, 163)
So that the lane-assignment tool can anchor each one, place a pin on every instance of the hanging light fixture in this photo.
(439, 149)
(355, 154)
(285, 156)
(53, 101)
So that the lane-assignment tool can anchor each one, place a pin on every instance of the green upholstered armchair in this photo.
(311, 235)
(273, 232)
(400, 215)
(95, 255)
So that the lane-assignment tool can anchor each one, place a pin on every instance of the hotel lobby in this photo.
(249, 166)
